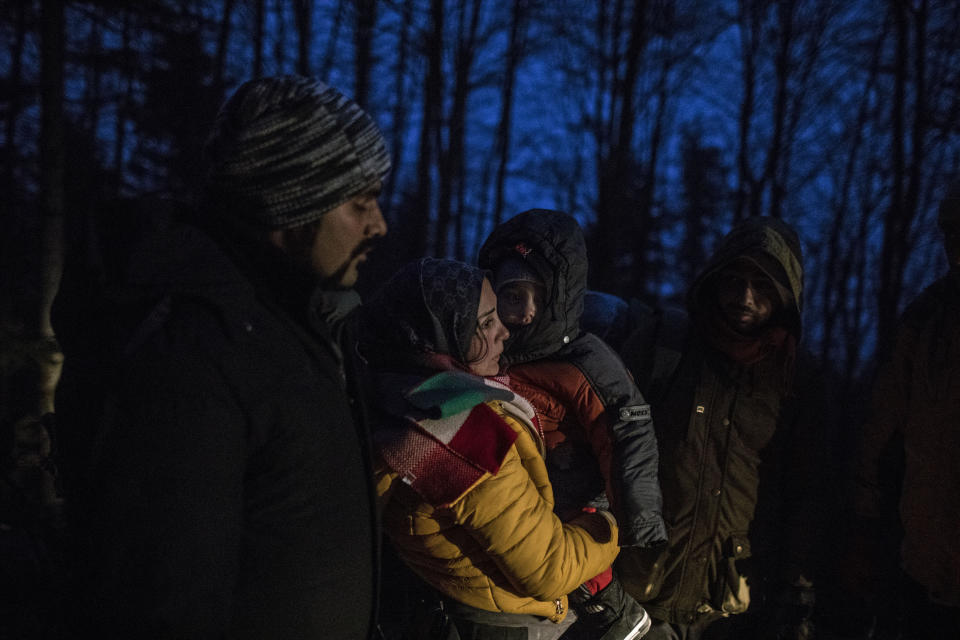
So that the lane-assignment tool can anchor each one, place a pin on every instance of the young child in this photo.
(597, 426)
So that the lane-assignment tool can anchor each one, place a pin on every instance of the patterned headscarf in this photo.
(428, 308)
(285, 150)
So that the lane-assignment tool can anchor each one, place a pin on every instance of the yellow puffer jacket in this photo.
(499, 546)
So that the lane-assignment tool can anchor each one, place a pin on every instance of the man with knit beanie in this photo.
(914, 417)
(227, 490)
(738, 453)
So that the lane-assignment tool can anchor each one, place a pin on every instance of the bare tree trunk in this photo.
(615, 199)
(280, 39)
(480, 220)
(52, 158)
(840, 258)
(750, 23)
(51, 188)
(918, 135)
(399, 120)
(363, 48)
(120, 130)
(810, 61)
(784, 66)
(13, 109)
(642, 227)
(92, 93)
(603, 69)
(624, 127)
(303, 10)
(853, 329)
(429, 132)
(452, 171)
(516, 50)
(902, 207)
(330, 54)
(220, 58)
(259, 18)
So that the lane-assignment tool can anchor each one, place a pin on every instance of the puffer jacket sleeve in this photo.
(634, 462)
(596, 387)
(511, 518)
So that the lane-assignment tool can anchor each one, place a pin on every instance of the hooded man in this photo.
(219, 477)
(734, 467)
(915, 413)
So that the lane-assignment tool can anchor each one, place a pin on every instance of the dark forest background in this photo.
(657, 123)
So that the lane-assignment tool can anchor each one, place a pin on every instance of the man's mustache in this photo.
(369, 244)
(742, 309)
(333, 280)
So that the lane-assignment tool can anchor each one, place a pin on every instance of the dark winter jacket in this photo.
(220, 483)
(734, 460)
(916, 401)
(597, 424)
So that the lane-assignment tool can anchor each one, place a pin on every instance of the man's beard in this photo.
(732, 315)
(334, 281)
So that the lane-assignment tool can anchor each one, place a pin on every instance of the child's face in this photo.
(519, 302)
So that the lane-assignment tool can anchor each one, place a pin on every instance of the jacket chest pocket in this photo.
(755, 421)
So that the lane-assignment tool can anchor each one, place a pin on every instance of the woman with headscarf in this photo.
(460, 461)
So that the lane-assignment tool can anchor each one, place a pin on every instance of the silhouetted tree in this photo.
(908, 133)
(52, 138)
(303, 10)
(516, 51)
(430, 124)
(177, 108)
(450, 199)
(401, 106)
(704, 199)
(259, 20)
(366, 18)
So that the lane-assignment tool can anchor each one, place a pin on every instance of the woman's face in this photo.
(483, 358)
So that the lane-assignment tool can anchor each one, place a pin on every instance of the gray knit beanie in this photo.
(291, 149)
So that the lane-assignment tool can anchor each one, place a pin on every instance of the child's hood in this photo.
(552, 244)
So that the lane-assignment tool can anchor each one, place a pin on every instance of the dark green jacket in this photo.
(734, 458)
